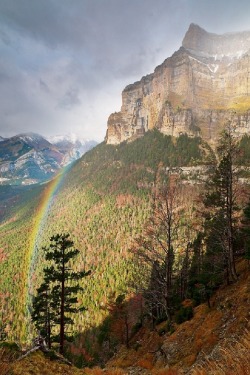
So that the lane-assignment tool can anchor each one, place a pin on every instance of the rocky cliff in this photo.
(199, 89)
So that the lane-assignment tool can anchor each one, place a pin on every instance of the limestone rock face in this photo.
(199, 89)
(219, 46)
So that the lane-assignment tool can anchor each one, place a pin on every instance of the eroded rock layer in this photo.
(198, 90)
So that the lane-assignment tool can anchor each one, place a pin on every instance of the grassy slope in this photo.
(38, 363)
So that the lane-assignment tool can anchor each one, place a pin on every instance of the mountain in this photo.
(30, 158)
(106, 201)
(103, 202)
(199, 89)
(72, 146)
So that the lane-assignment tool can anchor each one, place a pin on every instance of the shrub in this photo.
(6, 358)
(136, 328)
(10, 346)
(185, 313)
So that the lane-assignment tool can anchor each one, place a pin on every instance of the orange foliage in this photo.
(98, 371)
(146, 362)
(5, 362)
(3, 255)
(93, 371)
(124, 200)
(211, 343)
(165, 371)
(187, 303)
(77, 351)
(233, 360)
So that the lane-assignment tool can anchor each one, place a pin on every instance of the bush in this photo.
(51, 354)
(168, 327)
(184, 314)
(136, 328)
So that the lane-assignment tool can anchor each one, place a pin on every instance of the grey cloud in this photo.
(70, 99)
(44, 86)
(4, 37)
(64, 63)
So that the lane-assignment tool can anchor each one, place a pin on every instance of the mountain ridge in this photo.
(231, 44)
(104, 202)
(191, 92)
(29, 158)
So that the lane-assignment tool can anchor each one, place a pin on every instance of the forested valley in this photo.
(160, 225)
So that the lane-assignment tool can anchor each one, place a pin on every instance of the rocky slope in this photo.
(30, 158)
(199, 89)
(215, 341)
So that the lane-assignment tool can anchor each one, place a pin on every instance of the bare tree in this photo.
(158, 244)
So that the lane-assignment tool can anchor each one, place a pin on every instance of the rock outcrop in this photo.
(196, 91)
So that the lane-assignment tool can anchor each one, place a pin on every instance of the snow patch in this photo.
(212, 67)
(71, 137)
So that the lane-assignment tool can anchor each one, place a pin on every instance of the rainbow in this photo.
(46, 200)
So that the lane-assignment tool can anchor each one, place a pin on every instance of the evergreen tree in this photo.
(221, 201)
(246, 231)
(57, 296)
(43, 314)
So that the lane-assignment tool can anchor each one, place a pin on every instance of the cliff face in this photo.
(199, 89)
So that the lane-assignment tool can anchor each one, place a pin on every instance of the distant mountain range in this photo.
(30, 158)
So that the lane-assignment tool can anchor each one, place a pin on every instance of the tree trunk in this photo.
(127, 332)
(62, 324)
(231, 261)
(49, 328)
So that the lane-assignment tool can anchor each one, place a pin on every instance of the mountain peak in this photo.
(70, 137)
(199, 41)
(30, 134)
(193, 28)
(208, 73)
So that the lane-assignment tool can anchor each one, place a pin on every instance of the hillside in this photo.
(215, 341)
(107, 194)
(108, 204)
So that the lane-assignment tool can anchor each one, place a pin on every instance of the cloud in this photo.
(64, 63)
(70, 99)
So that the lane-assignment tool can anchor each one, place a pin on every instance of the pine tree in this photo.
(246, 231)
(221, 201)
(43, 314)
(57, 295)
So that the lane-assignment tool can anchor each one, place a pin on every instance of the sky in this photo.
(64, 63)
